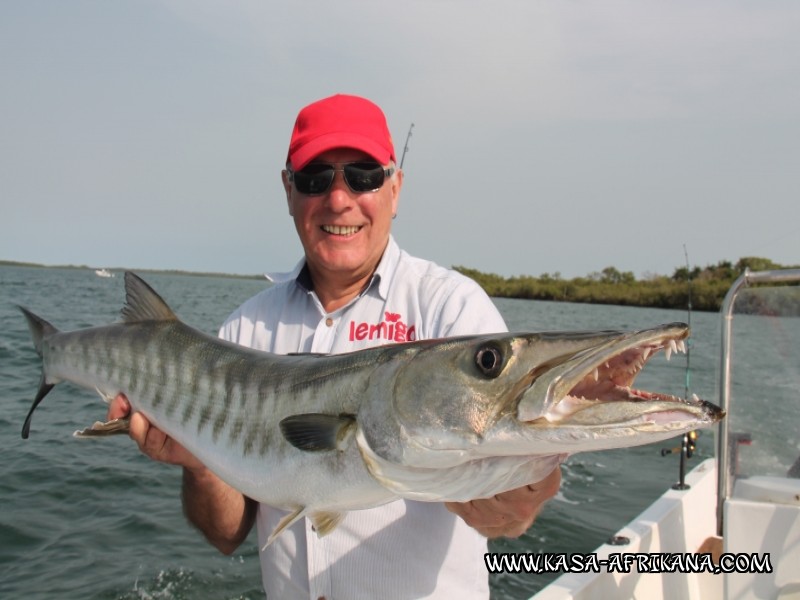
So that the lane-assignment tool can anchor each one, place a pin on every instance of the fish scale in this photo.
(432, 420)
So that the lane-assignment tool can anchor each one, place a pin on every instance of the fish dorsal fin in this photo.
(316, 432)
(142, 303)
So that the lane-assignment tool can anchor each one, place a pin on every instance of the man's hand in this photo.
(511, 513)
(220, 512)
(153, 442)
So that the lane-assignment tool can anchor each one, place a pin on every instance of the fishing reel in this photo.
(689, 442)
(686, 451)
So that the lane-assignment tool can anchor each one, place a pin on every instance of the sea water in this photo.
(95, 519)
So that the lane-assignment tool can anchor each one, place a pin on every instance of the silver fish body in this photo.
(433, 420)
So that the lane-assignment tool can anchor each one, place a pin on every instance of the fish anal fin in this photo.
(100, 429)
(285, 522)
(316, 432)
(142, 303)
(326, 521)
(107, 398)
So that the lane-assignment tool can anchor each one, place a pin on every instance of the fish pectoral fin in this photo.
(285, 522)
(316, 432)
(100, 429)
(326, 521)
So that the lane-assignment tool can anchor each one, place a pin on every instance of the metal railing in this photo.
(724, 464)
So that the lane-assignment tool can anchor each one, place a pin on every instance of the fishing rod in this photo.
(689, 440)
(405, 148)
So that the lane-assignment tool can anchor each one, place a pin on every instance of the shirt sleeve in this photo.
(468, 310)
(229, 331)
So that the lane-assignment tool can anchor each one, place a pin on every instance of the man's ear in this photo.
(287, 186)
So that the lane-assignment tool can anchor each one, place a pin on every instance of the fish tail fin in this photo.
(40, 329)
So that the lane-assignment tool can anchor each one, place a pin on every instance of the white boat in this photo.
(103, 273)
(732, 517)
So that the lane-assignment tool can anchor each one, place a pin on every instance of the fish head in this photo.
(539, 393)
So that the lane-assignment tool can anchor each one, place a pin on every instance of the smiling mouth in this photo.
(341, 229)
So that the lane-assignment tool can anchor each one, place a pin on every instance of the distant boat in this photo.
(103, 273)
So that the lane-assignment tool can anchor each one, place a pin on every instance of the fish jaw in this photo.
(589, 400)
(604, 372)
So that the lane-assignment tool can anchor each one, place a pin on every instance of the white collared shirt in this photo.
(403, 549)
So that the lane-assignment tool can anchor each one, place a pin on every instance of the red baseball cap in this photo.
(340, 121)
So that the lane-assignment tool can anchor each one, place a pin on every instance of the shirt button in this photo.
(329, 322)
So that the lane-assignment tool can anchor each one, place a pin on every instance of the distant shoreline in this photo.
(705, 287)
(13, 263)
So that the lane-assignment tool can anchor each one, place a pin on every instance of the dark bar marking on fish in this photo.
(266, 441)
(250, 437)
(163, 373)
(263, 396)
(172, 405)
(158, 398)
(231, 384)
(236, 430)
(205, 415)
(225, 410)
(188, 410)
(219, 424)
(194, 380)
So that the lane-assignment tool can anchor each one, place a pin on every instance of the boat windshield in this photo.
(764, 413)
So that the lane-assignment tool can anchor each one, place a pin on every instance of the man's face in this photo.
(344, 233)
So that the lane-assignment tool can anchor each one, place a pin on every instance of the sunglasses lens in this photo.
(364, 176)
(361, 177)
(315, 178)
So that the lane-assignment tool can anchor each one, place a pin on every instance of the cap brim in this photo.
(330, 141)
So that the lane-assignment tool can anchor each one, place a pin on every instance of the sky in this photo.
(560, 136)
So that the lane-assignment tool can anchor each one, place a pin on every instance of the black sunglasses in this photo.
(361, 177)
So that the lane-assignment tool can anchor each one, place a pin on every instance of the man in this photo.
(353, 288)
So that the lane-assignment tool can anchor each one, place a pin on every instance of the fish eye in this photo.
(489, 361)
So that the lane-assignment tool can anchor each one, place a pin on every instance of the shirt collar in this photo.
(380, 279)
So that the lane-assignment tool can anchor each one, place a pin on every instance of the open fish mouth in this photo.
(613, 379)
(595, 386)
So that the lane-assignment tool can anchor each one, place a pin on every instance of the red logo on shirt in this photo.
(392, 330)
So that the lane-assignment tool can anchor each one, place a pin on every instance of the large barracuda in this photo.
(434, 420)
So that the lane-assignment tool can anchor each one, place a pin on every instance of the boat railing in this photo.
(726, 462)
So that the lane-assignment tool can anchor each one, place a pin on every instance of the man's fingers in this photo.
(118, 408)
(510, 513)
(139, 429)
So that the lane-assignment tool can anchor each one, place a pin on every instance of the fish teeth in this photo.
(596, 374)
(682, 346)
(669, 349)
